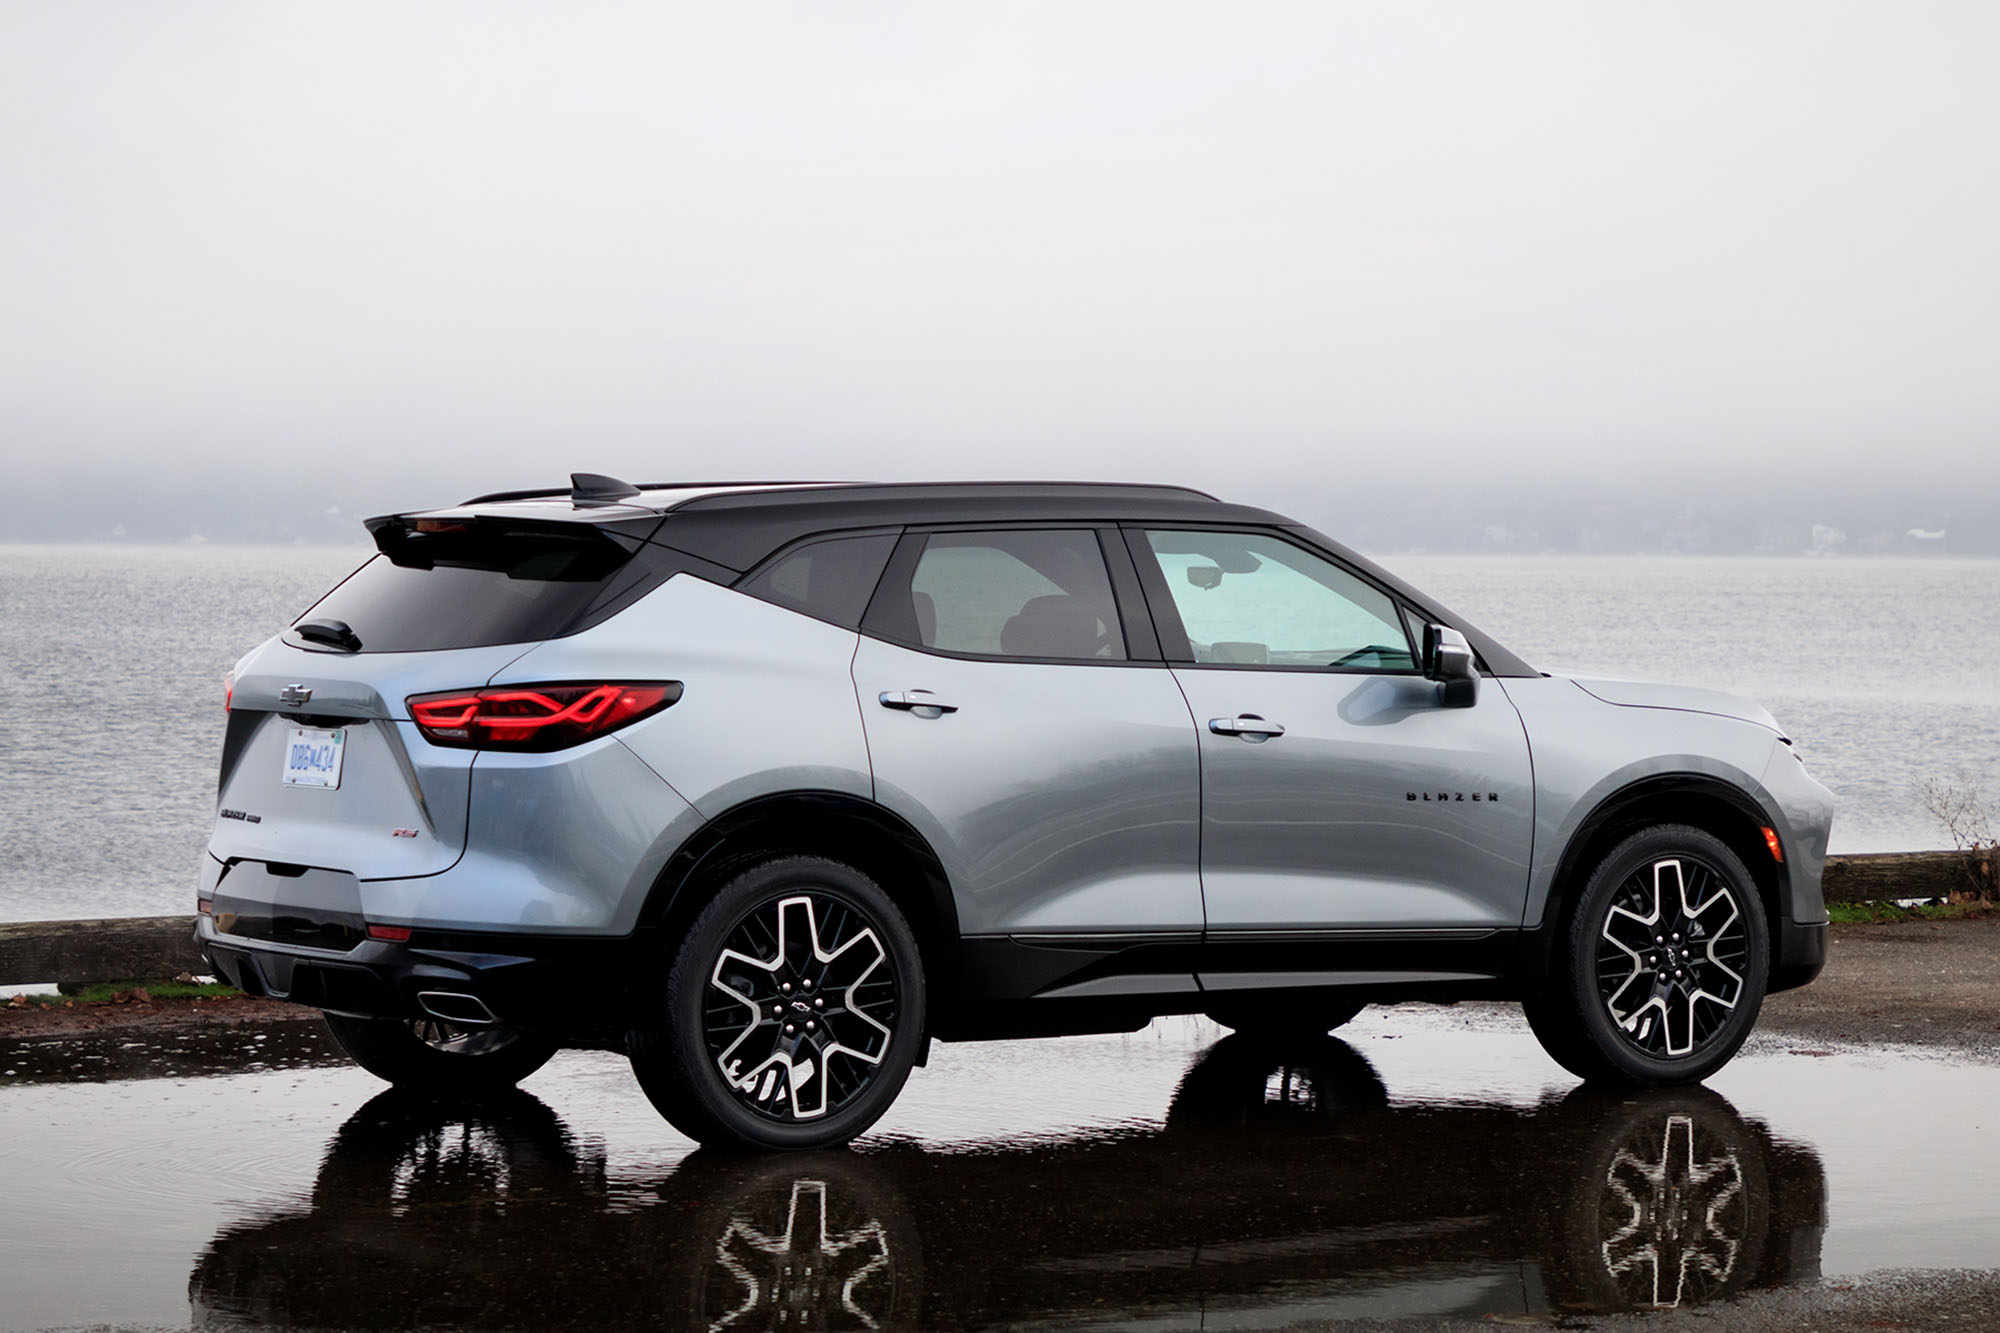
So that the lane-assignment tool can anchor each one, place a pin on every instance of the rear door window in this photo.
(1039, 594)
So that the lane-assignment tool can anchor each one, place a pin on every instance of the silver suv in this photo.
(770, 785)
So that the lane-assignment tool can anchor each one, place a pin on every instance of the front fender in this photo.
(1587, 752)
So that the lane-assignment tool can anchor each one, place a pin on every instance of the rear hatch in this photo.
(322, 766)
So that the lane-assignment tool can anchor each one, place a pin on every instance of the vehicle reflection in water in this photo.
(1283, 1186)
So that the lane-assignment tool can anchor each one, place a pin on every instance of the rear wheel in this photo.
(792, 1014)
(1664, 965)
(430, 1055)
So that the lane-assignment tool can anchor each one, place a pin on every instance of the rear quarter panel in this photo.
(768, 703)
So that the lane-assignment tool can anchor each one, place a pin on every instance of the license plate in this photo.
(312, 757)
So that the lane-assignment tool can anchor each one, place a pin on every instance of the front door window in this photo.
(1250, 599)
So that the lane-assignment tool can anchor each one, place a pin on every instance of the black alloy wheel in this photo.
(1667, 957)
(792, 1014)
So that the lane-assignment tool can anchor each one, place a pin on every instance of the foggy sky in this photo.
(424, 250)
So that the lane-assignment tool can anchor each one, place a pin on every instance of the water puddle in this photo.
(181, 1051)
(1424, 1166)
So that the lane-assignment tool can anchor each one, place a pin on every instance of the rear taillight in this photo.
(228, 689)
(536, 717)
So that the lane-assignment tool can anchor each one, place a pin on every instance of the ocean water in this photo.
(1886, 672)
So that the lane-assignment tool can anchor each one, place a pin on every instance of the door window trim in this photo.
(891, 619)
(1175, 646)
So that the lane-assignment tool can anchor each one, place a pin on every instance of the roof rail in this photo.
(596, 494)
(495, 497)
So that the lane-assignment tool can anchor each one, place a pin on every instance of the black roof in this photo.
(739, 528)
(734, 525)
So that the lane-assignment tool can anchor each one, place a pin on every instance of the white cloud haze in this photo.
(427, 249)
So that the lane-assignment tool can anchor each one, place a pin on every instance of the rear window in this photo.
(482, 584)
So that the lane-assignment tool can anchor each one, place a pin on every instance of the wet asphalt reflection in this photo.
(1427, 1165)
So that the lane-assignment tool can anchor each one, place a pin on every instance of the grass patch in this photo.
(1883, 912)
(102, 992)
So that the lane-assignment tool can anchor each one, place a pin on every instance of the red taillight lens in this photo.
(228, 689)
(535, 717)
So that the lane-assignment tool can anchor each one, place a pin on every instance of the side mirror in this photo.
(1448, 660)
(1204, 576)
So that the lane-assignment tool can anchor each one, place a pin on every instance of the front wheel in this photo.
(1664, 965)
(431, 1056)
(792, 1014)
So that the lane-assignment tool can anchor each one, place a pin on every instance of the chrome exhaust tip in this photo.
(455, 1007)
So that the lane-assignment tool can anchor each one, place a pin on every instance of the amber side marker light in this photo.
(1777, 848)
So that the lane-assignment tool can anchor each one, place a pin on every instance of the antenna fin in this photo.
(594, 490)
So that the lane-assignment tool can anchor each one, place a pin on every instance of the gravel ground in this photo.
(1924, 1299)
(1925, 983)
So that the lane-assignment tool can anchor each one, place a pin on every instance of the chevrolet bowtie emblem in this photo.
(292, 696)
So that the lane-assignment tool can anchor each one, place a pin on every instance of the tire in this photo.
(1286, 1015)
(437, 1058)
(792, 1014)
(1663, 964)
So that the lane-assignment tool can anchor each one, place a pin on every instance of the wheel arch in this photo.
(1700, 800)
(843, 827)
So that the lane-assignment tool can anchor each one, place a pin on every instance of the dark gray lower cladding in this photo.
(1017, 985)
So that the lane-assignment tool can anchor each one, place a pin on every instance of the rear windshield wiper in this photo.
(333, 633)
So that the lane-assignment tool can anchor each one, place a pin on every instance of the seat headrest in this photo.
(1054, 626)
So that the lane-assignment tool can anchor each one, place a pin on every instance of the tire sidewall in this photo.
(1640, 850)
(747, 893)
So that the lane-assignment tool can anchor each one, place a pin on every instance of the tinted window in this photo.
(831, 579)
(1039, 594)
(475, 588)
(1247, 599)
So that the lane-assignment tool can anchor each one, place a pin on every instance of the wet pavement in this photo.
(1429, 1163)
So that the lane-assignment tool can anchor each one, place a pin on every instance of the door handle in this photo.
(1249, 726)
(921, 702)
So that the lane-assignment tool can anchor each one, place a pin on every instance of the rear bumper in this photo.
(1799, 955)
(582, 989)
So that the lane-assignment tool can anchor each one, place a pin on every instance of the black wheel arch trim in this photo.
(803, 821)
(1539, 943)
